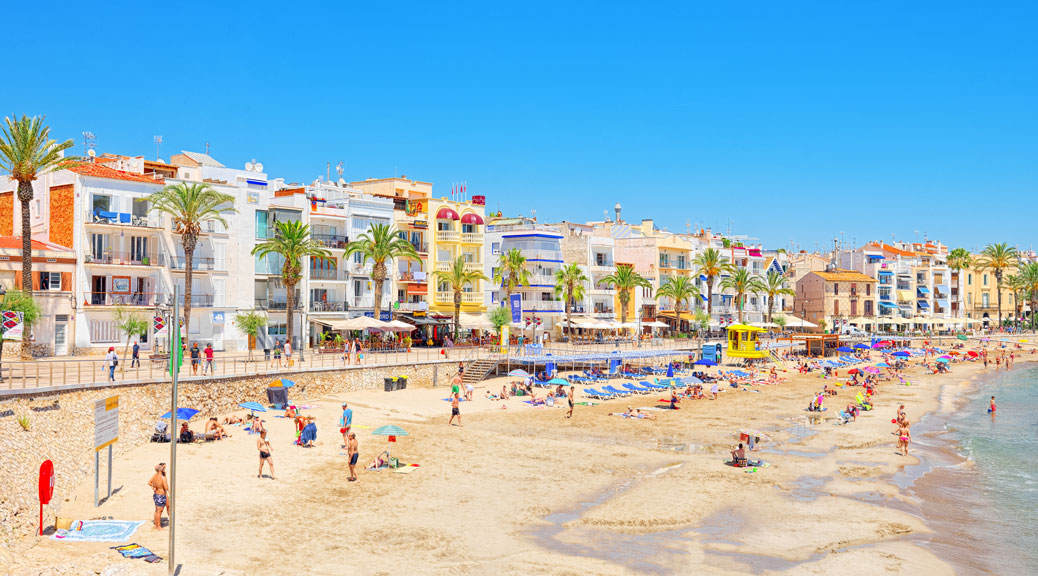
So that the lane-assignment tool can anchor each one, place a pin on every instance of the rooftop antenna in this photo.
(605, 215)
(339, 169)
(328, 172)
(88, 142)
(206, 148)
(158, 142)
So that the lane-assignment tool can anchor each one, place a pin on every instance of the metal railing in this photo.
(265, 304)
(324, 274)
(92, 371)
(337, 241)
(110, 258)
(124, 219)
(199, 264)
(130, 299)
(329, 306)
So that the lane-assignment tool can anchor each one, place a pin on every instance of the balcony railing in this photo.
(357, 268)
(328, 275)
(197, 264)
(264, 304)
(329, 306)
(446, 266)
(446, 236)
(421, 247)
(413, 306)
(466, 297)
(135, 299)
(123, 219)
(109, 258)
(411, 277)
(542, 306)
(199, 300)
(471, 237)
(337, 241)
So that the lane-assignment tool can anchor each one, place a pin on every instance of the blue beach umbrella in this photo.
(254, 406)
(670, 370)
(559, 382)
(883, 365)
(704, 363)
(862, 346)
(283, 383)
(945, 360)
(182, 414)
(844, 349)
(901, 354)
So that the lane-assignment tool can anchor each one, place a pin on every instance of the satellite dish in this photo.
(249, 166)
(91, 153)
(258, 167)
(342, 182)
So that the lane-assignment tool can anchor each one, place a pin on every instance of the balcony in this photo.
(361, 269)
(325, 275)
(412, 277)
(123, 220)
(447, 236)
(466, 297)
(543, 306)
(471, 237)
(335, 241)
(329, 306)
(199, 300)
(145, 299)
(367, 301)
(470, 266)
(109, 258)
(275, 305)
(197, 264)
(413, 306)
(421, 247)
(601, 291)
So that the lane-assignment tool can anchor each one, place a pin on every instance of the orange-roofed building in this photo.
(836, 297)
(53, 274)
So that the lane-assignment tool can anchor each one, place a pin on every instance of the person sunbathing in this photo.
(290, 412)
(648, 415)
(739, 456)
(490, 396)
(257, 425)
(379, 461)
(214, 430)
(232, 420)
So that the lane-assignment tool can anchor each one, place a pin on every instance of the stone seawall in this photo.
(61, 426)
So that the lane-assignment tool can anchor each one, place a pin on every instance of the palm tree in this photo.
(742, 283)
(292, 242)
(26, 153)
(1030, 275)
(457, 278)
(998, 258)
(774, 284)
(624, 280)
(710, 263)
(379, 244)
(960, 259)
(1017, 285)
(569, 283)
(680, 289)
(511, 271)
(190, 206)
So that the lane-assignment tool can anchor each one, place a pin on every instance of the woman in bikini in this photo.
(263, 445)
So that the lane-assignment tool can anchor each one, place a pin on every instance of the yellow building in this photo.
(440, 229)
(980, 294)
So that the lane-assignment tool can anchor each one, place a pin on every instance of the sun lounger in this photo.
(615, 391)
(652, 386)
(592, 393)
(636, 388)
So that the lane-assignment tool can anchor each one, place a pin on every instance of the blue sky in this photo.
(794, 122)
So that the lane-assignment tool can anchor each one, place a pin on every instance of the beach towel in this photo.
(100, 531)
(405, 470)
(137, 551)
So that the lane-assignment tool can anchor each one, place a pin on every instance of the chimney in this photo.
(617, 209)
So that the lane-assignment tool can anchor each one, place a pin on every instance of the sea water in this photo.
(986, 507)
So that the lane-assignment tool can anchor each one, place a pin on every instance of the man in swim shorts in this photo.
(354, 453)
(569, 397)
(455, 412)
(160, 489)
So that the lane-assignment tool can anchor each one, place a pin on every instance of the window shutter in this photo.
(66, 281)
(18, 281)
(36, 280)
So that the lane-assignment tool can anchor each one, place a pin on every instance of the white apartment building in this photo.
(914, 280)
(595, 257)
(542, 247)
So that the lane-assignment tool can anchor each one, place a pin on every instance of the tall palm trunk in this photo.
(189, 241)
(738, 299)
(378, 277)
(677, 314)
(625, 297)
(290, 297)
(569, 312)
(710, 295)
(457, 311)
(998, 286)
(770, 306)
(25, 198)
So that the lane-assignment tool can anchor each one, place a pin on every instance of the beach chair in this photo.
(592, 393)
(635, 388)
(615, 391)
(651, 386)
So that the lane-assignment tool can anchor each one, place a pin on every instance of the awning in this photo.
(942, 303)
(477, 321)
(419, 289)
(924, 304)
(904, 295)
(359, 323)
(446, 213)
(471, 219)
(419, 321)
(885, 273)
(703, 277)
(923, 289)
(884, 304)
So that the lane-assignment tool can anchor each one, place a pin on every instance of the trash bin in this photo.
(266, 354)
(402, 383)
(390, 384)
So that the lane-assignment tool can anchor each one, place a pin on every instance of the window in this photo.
(836, 288)
(103, 331)
(468, 228)
(836, 308)
(50, 281)
(969, 279)
(984, 298)
(868, 307)
(985, 281)
(868, 290)
(101, 202)
(261, 223)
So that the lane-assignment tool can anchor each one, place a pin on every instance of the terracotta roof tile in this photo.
(99, 171)
(845, 276)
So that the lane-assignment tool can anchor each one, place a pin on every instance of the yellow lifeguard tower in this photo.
(743, 342)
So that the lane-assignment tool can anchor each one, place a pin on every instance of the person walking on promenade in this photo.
(110, 362)
(135, 360)
(208, 367)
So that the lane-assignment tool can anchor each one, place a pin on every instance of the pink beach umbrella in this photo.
(872, 370)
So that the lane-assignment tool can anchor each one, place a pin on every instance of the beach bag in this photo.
(62, 523)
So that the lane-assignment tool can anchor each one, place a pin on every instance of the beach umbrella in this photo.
(282, 383)
(670, 370)
(517, 373)
(883, 365)
(852, 371)
(559, 382)
(1023, 341)
(942, 359)
(182, 414)
(862, 346)
(985, 339)
(954, 353)
(704, 363)
(880, 345)
(946, 357)
(253, 406)
(871, 370)
(972, 354)
(391, 431)
(962, 337)
(844, 349)
(691, 380)
(901, 354)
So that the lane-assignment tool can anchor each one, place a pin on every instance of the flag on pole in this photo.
(176, 353)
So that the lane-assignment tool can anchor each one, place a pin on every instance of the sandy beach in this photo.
(523, 490)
